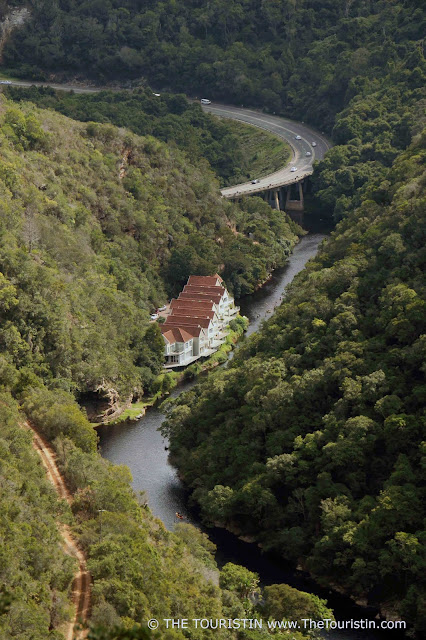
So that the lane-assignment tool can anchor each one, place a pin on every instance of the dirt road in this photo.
(81, 584)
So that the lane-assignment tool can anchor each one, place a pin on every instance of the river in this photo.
(140, 446)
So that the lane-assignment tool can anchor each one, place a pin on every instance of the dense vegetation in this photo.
(33, 567)
(98, 226)
(235, 151)
(310, 440)
(139, 569)
(352, 67)
(307, 57)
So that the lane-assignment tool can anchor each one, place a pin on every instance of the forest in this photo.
(353, 68)
(233, 151)
(98, 227)
(139, 569)
(310, 441)
(306, 59)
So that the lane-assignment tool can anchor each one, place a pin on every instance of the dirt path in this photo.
(81, 584)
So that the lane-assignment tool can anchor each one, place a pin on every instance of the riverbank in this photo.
(140, 446)
(168, 380)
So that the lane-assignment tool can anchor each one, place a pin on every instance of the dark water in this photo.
(259, 306)
(141, 447)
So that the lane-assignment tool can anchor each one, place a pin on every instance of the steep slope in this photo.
(34, 569)
(355, 68)
(98, 226)
(310, 440)
(306, 58)
(234, 152)
(81, 587)
(139, 570)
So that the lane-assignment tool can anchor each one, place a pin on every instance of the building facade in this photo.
(198, 321)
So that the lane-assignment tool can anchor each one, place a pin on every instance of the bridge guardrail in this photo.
(260, 189)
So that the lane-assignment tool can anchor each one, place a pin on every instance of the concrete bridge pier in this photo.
(295, 204)
(277, 199)
(273, 197)
(283, 198)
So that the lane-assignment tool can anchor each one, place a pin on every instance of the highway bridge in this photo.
(283, 189)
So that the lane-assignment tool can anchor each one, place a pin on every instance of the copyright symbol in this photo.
(153, 624)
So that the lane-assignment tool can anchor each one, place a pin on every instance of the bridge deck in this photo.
(285, 129)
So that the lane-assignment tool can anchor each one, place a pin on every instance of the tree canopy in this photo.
(310, 440)
(98, 227)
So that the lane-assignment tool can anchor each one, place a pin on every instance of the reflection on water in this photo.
(141, 447)
(260, 305)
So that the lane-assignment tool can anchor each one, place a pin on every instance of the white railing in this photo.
(232, 192)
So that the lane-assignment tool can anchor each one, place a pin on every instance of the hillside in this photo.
(139, 570)
(306, 58)
(98, 227)
(354, 68)
(234, 151)
(32, 562)
(310, 440)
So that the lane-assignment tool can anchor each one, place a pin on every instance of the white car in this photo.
(163, 308)
(5, 82)
(308, 153)
(314, 144)
(293, 169)
(154, 316)
(205, 101)
(157, 94)
(298, 137)
(255, 181)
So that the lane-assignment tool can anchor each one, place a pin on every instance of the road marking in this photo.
(238, 114)
(281, 177)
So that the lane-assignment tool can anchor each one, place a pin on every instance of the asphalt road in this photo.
(283, 128)
(58, 87)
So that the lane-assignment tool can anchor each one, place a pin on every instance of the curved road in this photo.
(283, 128)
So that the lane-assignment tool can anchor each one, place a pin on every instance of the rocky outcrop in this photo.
(116, 406)
(11, 21)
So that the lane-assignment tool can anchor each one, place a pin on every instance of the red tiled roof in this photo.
(175, 334)
(182, 303)
(194, 329)
(194, 295)
(204, 280)
(197, 288)
(195, 312)
(179, 321)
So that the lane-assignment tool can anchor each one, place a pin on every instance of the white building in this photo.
(205, 323)
(198, 321)
(179, 346)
